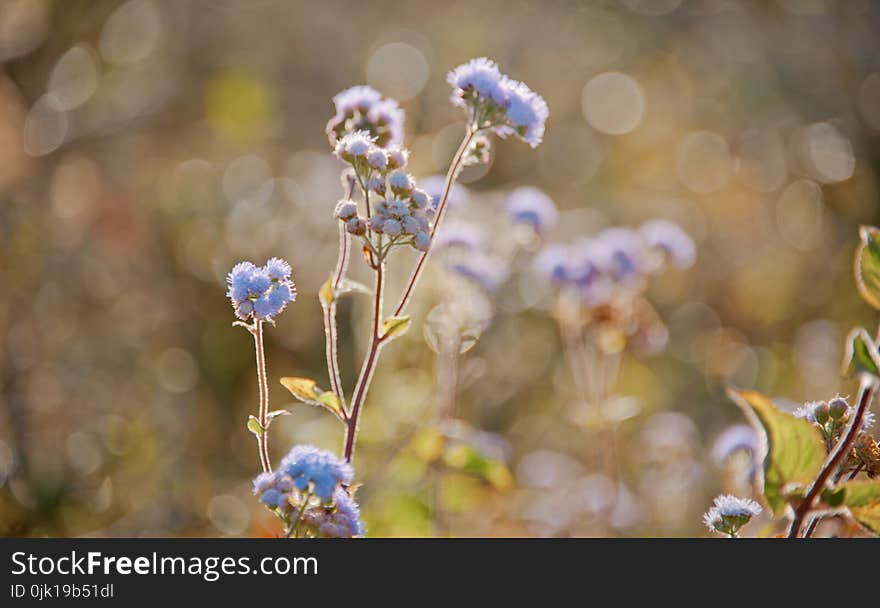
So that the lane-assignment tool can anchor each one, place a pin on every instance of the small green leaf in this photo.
(863, 500)
(331, 402)
(861, 354)
(307, 391)
(273, 415)
(867, 265)
(792, 449)
(325, 294)
(394, 327)
(254, 426)
(304, 389)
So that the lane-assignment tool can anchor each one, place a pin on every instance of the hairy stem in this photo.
(330, 326)
(263, 414)
(369, 365)
(835, 458)
(451, 175)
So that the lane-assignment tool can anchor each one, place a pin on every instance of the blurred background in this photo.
(148, 145)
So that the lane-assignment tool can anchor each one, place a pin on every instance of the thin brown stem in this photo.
(451, 175)
(835, 458)
(369, 365)
(263, 414)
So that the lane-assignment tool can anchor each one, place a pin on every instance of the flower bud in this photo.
(838, 408)
(346, 210)
(821, 413)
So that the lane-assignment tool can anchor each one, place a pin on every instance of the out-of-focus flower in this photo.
(739, 437)
(672, 240)
(528, 205)
(460, 234)
(487, 271)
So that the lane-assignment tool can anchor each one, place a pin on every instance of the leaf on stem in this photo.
(255, 427)
(307, 391)
(863, 500)
(791, 449)
(304, 389)
(861, 354)
(326, 294)
(394, 327)
(867, 265)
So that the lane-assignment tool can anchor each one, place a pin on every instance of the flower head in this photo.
(260, 292)
(363, 108)
(730, 513)
(318, 470)
(528, 205)
(498, 103)
(526, 112)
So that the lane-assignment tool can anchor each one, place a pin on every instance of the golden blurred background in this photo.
(148, 145)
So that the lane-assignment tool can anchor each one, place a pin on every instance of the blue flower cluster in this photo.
(318, 470)
(403, 211)
(308, 472)
(261, 293)
(615, 261)
(497, 102)
(363, 108)
(730, 513)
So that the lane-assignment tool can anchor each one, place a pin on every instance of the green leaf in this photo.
(304, 389)
(394, 327)
(867, 265)
(307, 391)
(331, 401)
(861, 354)
(792, 452)
(254, 426)
(325, 294)
(863, 500)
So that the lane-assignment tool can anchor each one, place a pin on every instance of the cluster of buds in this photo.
(832, 417)
(401, 212)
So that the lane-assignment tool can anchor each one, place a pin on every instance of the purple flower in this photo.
(460, 234)
(341, 520)
(487, 271)
(362, 108)
(528, 205)
(260, 292)
(499, 103)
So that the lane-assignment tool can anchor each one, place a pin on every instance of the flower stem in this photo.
(378, 264)
(451, 175)
(369, 365)
(866, 395)
(263, 414)
(330, 326)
